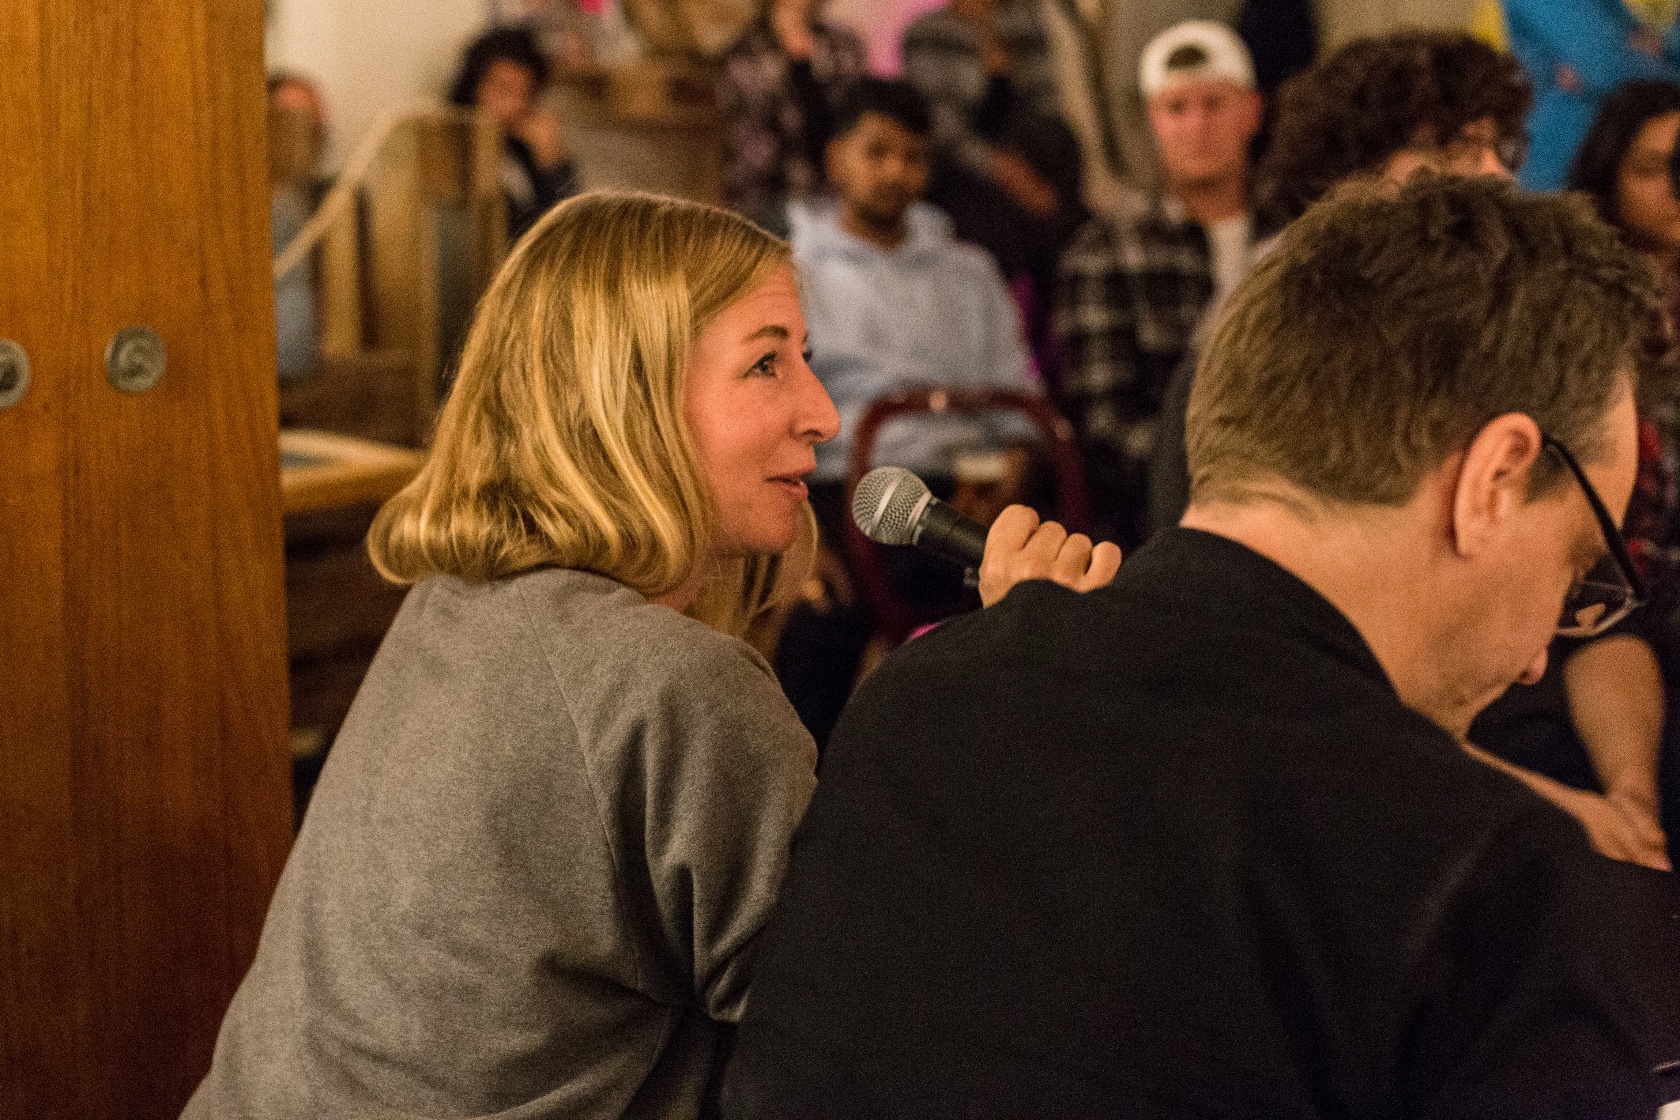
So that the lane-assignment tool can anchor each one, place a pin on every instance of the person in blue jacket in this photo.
(1576, 52)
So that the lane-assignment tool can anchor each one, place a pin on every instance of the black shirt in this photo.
(1177, 849)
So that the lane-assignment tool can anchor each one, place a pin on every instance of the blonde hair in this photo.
(563, 441)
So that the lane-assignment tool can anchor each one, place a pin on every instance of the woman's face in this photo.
(505, 92)
(756, 412)
(1644, 197)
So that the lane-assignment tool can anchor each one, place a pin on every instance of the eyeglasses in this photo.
(1612, 588)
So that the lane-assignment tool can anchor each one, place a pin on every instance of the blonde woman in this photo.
(532, 873)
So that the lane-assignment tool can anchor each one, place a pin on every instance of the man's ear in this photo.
(1493, 479)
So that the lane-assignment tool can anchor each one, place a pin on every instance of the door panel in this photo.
(144, 802)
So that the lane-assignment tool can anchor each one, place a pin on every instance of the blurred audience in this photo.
(777, 94)
(297, 348)
(1006, 168)
(1133, 287)
(1594, 721)
(1576, 52)
(892, 301)
(1389, 105)
(504, 75)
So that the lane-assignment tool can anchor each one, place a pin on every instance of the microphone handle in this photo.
(946, 533)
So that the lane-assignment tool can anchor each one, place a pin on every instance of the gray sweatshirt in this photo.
(532, 874)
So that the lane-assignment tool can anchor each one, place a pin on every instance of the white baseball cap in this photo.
(1197, 50)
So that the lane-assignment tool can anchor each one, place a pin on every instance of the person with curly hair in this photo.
(1390, 105)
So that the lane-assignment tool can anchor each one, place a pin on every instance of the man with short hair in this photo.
(1205, 843)
(1390, 105)
(891, 298)
(1132, 288)
(892, 301)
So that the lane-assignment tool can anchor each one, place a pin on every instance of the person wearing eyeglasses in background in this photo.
(1206, 842)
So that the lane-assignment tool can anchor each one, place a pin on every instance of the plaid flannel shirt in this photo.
(1130, 294)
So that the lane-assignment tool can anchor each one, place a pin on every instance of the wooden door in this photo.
(144, 810)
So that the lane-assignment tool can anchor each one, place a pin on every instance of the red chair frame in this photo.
(894, 618)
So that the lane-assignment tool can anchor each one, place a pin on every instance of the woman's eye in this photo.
(807, 354)
(764, 367)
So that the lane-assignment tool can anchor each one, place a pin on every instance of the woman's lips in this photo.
(794, 486)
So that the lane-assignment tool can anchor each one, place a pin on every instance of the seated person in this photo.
(531, 881)
(1205, 842)
(1576, 52)
(1594, 722)
(777, 92)
(1133, 287)
(296, 346)
(1385, 105)
(1006, 167)
(504, 75)
(893, 302)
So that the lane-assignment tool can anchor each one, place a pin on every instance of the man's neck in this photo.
(864, 227)
(1372, 564)
(1210, 201)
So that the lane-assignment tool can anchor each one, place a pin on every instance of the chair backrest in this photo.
(403, 246)
(436, 222)
(894, 618)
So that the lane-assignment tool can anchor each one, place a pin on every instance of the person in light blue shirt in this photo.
(892, 300)
(1576, 52)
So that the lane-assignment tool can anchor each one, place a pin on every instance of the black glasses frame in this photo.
(1612, 538)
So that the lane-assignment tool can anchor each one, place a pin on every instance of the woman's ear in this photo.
(1493, 479)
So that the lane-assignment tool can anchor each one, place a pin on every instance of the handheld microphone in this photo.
(892, 506)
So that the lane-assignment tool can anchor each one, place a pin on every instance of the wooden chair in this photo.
(896, 619)
(403, 247)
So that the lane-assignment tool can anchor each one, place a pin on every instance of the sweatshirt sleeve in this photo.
(727, 771)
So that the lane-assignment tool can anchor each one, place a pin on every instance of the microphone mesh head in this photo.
(885, 504)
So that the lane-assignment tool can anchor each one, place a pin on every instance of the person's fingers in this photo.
(1071, 561)
(1010, 531)
(1643, 837)
(1001, 566)
(1608, 839)
(1104, 565)
(1614, 836)
(1042, 547)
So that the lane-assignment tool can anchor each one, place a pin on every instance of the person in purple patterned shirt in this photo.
(780, 82)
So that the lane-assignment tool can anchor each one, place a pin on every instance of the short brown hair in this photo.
(1372, 98)
(1390, 324)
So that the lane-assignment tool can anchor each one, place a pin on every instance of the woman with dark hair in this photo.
(503, 74)
(1623, 165)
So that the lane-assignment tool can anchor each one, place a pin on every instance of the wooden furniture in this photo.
(650, 125)
(412, 235)
(324, 470)
(337, 606)
(144, 808)
(895, 619)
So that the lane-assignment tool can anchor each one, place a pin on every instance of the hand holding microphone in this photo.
(893, 506)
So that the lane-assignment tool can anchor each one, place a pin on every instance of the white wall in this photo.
(370, 55)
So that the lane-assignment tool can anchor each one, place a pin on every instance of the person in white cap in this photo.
(1132, 288)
